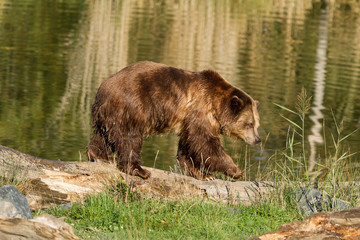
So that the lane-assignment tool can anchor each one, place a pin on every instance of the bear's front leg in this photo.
(229, 168)
(190, 168)
(209, 156)
(97, 149)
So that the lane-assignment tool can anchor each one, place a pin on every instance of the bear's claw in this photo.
(208, 178)
(140, 172)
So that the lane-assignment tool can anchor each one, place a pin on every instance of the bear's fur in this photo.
(148, 98)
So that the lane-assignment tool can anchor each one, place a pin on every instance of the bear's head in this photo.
(242, 120)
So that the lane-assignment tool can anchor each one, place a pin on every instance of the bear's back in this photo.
(154, 95)
(148, 78)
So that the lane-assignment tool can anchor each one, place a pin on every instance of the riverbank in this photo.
(111, 204)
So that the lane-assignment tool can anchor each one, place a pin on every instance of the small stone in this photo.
(66, 206)
(13, 203)
(54, 222)
(234, 211)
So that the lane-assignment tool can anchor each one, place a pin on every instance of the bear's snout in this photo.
(257, 140)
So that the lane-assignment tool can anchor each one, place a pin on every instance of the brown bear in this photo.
(148, 98)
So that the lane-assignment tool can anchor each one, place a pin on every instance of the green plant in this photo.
(122, 190)
(332, 175)
(296, 129)
(14, 174)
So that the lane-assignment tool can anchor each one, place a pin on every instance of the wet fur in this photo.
(148, 98)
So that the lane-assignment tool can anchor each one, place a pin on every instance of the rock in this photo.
(343, 225)
(43, 227)
(51, 221)
(13, 203)
(313, 201)
(54, 183)
(66, 206)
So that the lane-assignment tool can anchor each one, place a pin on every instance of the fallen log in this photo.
(51, 183)
(326, 225)
(44, 227)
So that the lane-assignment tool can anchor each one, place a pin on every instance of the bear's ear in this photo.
(236, 104)
(257, 103)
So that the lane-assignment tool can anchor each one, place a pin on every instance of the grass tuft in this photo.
(332, 175)
(14, 174)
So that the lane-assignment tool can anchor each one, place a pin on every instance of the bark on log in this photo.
(52, 183)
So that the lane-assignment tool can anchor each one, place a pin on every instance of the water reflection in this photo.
(54, 56)
(316, 136)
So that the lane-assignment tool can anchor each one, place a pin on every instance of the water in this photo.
(54, 55)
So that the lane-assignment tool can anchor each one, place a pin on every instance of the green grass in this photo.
(107, 217)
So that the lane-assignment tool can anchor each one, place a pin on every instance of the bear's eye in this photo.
(251, 125)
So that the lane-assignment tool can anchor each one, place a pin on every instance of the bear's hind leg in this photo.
(128, 150)
(97, 149)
